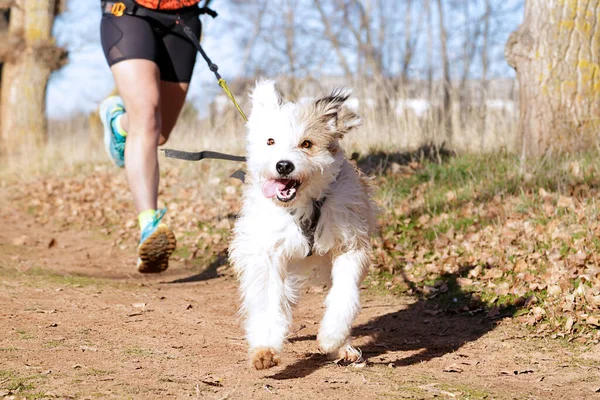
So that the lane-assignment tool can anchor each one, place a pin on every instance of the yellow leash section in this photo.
(212, 66)
(223, 84)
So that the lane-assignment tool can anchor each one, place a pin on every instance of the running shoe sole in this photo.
(155, 251)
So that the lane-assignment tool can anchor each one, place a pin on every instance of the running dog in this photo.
(302, 196)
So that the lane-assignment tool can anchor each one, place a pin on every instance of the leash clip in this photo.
(118, 9)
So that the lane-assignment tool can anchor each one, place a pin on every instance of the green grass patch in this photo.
(98, 372)
(381, 283)
(53, 344)
(481, 177)
(465, 392)
(37, 276)
(20, 385)
(182, 251)
(23, 335)
(138, 351)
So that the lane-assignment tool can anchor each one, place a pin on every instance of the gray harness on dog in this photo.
(309, 226)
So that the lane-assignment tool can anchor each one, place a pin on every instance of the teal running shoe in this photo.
(156, 245)
(114, 143)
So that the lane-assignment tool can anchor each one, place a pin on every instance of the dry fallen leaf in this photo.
(450, 196)
(520, 266)
(569, 324)
(593, 320)
(538, 313)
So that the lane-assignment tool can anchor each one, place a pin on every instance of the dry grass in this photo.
(407, 132)
(76, 144)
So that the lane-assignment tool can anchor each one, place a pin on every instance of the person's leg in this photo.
(147, 121)
(175, 92)
(146, 70)
(143, 121)
(138, 84)
(169, 110)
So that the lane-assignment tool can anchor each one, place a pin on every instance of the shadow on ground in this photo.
(210, 272)
(434, 325)
(380, 162)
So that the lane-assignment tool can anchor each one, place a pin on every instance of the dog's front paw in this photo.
(263, 357)
(349, 354)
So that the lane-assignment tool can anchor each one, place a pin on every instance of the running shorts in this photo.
(130, 37)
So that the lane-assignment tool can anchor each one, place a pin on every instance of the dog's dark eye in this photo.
(307, 144)
(270, 142)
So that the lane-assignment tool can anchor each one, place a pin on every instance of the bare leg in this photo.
(170, 110)
(138, 83)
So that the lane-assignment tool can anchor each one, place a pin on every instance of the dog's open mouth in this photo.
(284, 189)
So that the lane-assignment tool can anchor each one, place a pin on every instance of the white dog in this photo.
(301, 197)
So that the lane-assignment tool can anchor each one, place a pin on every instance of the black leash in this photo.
(129, 7)
(214, 68)
(200, 155)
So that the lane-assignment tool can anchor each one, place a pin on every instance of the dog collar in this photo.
(309, 226)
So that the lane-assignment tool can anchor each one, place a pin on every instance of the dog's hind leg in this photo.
(342, 304)
(268, 311)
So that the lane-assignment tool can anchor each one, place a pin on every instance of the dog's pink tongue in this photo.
(270, 187)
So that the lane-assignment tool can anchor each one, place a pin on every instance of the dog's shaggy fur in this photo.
(294, 164)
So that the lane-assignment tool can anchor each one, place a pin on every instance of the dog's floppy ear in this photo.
(265, 96)
(334, 115)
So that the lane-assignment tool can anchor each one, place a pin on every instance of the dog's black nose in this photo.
(284, 167)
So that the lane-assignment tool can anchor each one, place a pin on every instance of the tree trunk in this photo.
(556, 53)
(429, 51)
(25, 75)
(290, 50)
(484, 73)
(446, 106)
(408, 44)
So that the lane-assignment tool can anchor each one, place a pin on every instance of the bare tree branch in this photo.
(333, 38)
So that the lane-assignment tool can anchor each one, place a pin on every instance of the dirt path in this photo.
(77, 321)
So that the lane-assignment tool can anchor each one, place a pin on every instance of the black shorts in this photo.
(131, 37)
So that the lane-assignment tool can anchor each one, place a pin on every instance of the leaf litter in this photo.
(531, 253)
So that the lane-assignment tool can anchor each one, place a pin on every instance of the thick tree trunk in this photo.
(25, 75)
(556, 53)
